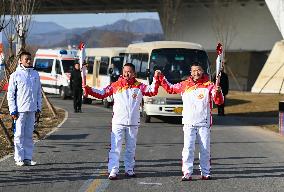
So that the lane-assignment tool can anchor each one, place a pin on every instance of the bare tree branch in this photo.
(3, 10)
(169, 15)
(223, 22)
(21, 15)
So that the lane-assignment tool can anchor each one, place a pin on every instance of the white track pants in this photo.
(203, 136)
(23, 137)
(117, 134)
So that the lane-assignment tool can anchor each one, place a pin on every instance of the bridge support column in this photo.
(276, 9)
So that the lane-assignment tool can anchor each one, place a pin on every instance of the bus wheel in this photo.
(106, 103)
(62, 93)
(147, 118)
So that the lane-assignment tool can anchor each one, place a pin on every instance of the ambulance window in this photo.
(67, 65)
(44, 65)
(58, 67)
(104, 65)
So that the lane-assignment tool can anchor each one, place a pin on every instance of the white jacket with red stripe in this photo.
(127, 97)
(197, 99)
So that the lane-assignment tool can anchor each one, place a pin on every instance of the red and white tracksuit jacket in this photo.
(127, 97)
(197, 105)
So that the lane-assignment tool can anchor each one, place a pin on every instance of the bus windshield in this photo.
(117, 63)
(175, 62)
(68, 65)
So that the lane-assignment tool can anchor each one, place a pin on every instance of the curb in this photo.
(47, 135)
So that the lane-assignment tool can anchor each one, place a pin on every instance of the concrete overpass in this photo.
(248, 28)
(251, 25)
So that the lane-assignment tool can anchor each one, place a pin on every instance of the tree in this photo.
(224, 22)
(21, 16)
(169, 15)
(224, 25)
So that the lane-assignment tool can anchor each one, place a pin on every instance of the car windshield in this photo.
(175, 63)
(68, 65)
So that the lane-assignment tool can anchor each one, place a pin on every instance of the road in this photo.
(74, 157)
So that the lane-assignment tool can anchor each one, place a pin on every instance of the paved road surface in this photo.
(244, 158)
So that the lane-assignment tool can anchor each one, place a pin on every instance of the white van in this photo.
(174, 59)
(104, 67)
(54, 67)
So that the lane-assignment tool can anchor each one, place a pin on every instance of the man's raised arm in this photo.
(99, 93)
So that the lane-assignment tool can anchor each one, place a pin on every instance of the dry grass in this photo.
(252, 104)
(246, 104)
(46, 124)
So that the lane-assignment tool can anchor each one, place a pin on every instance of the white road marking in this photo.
(144, 183)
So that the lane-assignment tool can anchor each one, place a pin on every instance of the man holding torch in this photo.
(197, 95)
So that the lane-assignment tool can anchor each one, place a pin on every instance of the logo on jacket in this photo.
(134, 96)
(200, 96)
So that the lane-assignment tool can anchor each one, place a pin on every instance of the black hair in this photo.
(196, 63)
(130, 65)
(25, 53)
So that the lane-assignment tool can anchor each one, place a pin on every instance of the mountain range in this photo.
(120, 33)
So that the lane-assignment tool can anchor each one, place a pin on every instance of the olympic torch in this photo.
(219, 60)
(82, 57)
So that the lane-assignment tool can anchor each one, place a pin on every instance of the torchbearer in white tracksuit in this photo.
(127, 94)
(197, 95)
(25, 101)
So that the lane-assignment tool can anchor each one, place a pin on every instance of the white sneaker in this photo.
(20, 163)
(112, 176)
(186, 177)
(130, 173)
(29, 162)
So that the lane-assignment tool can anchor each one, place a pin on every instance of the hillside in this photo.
(147, 26)
(120, 33)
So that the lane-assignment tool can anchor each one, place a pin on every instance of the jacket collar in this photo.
(123, 81)
(203, 79)
(22, 67)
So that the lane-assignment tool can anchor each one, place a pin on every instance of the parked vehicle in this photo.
(174, 59)
(54, 67)
(104, 67)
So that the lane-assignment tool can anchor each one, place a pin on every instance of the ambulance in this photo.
(54, 67)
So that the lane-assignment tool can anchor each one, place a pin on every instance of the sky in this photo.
(89, 20)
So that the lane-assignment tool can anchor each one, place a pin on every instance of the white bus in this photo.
(174, 59)
(104, 67)
(54, 67)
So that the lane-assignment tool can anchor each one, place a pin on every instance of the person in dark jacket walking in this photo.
(224, 84)
(76, 87)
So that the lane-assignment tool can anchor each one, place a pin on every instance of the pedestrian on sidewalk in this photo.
(127, 94)
(197, 94)
(76, 87)
(224, 84)
(25, 101)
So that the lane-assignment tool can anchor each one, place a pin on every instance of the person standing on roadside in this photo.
(224, 84)
(76, 87)
(25, 102)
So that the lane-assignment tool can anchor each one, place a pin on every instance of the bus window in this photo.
(90, 66)
(44, 65)
(104, 65)
(116, 64)
(136, 61)
(175, 63)
(144, 66)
